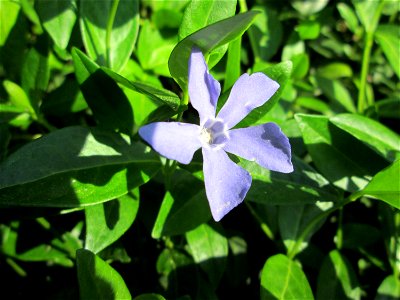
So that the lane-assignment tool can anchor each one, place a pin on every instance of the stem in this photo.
(243, 6)
(110, 24)
(369, 40)
(339, 234)
(263, 225)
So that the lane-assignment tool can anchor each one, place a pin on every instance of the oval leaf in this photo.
(282, 278)
(73, 167)
(97, 279)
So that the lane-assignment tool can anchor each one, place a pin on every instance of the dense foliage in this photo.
(88, 209)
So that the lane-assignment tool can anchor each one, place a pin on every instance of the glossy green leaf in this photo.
(314, 104)
(8, 15)
(207, 39)
(58, 18)
(282, 278)
(111, 108)
(201, 13)
(209, 248)
(109, 30)
(280, 73)
(335, 91)
(75, 166)
(308, 30)
(303, 186)
(97, 279)
(337, 279)
(232, 64)
(389, 288)
(153, 92)
(377, 136)
(293, 220)
(161, 48)
(184, 207)
(388, 37)
(266, 33)
(107, 222)
(385, 185)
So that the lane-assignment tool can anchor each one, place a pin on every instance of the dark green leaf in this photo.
(183, 208)
(73, 167)
(207, 39)
(337, 279)
(110, 107)
(342, 159)
(377, 136)
(282, 278)
(107, 222)
(209, 248)
(356, 235)
(233, 63)
(386, 185)
(149, 297)
(109, 30)
(58, 18)
(97, 279)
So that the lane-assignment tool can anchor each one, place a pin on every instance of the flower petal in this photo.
(175, 140)
(204, 90)
(226, 183)
(248, 92)
(265, 144)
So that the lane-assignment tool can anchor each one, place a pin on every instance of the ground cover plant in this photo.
(294, 195)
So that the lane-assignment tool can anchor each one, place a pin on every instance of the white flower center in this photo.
(214, 133)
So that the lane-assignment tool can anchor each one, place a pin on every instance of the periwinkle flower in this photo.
(226, 183)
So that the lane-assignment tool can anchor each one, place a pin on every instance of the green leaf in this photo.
(107, 222)
(308, 29)
(335, 91)
(209, 248)
(207, 39)
(19, 98)
(36, 72)
(293, 220)
(201, 13)
(335, 70)
(8, 14)
(109, 30)
(233, 63)
(337, 279)
(385, 185)
(348, 14)
(280, 73)
(302, 186)
(110, 107)
(308, 7)
(366, 10)
(266, 33)
(388, 37)
(97, 279)
(282, 278)
(58, 18)
(161, 48)
(389, 288)
(377, 136)
(153, 92)
(342, 159)
(357, 235)
(73, 167)
(184, 207)
(314, 104)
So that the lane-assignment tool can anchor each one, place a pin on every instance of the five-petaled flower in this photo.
(226, 183)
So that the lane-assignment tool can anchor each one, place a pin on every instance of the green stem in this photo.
(243, 6)
(310, 226)
(110, 23)
(263, 225)
(369, 41)
(339, 233)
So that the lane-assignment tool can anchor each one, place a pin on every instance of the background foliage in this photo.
(88, 209)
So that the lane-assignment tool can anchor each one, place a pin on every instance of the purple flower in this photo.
(226, 183)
